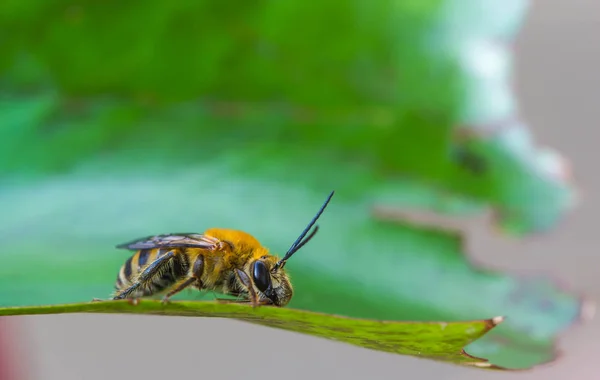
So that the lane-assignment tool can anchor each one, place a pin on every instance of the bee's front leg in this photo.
(258, 303)
(245, 280)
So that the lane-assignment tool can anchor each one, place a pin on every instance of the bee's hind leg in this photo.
(146, 276)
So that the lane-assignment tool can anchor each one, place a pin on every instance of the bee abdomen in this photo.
(131, 269)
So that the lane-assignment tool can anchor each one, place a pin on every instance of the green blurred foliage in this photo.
(250, 50)
(118, 120)
(386, 85)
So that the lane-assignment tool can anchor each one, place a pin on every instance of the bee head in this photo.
(271, 279)
(273, 285)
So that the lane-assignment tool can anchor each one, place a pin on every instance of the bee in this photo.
(226, 261)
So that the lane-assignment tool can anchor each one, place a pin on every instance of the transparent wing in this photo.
(173, 240)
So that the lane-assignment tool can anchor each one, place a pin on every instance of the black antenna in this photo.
(299, 243)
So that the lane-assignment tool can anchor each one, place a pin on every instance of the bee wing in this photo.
(174, 240)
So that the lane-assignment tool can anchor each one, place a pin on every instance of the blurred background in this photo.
(145, 119)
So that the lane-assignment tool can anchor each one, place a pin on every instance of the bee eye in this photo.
(261, 276)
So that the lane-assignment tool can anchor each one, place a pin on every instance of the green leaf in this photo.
(438, 341)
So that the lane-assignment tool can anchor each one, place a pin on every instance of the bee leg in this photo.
(258, 303)
(245, 280)
(227, 300)
(147, 275)
(179, 287)
(197, 272)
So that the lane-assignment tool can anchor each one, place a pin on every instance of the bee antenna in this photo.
(301, 241)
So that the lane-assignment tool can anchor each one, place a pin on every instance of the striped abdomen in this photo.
(174, 270)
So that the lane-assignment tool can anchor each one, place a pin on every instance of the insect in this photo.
(226, 261)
